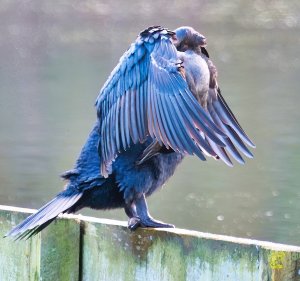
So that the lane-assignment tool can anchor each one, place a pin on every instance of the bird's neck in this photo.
(197, 50)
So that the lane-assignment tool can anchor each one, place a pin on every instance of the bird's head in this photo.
(188, 38)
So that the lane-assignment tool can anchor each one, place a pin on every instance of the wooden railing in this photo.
(90, 249)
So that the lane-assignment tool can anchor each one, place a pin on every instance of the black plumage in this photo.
(160, 103)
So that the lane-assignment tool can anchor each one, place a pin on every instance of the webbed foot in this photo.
(135, 222)
(150, 222)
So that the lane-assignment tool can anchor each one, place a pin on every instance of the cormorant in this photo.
(160, 103)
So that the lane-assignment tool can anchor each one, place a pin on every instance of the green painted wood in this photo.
(52, 255)
(112, 252)
(19, 260)
(60, 251)
(106, 250)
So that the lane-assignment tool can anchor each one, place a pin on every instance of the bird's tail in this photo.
(62, 203)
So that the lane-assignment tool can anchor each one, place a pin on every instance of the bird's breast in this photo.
(197, 75)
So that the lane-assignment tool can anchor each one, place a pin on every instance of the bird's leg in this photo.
(134, 221)
(145, 219)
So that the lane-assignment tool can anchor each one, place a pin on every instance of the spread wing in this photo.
(223, 117)
(147, 95)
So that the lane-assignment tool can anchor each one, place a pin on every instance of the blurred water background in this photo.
(55, 57)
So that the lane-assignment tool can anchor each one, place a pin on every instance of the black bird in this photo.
(160, 103)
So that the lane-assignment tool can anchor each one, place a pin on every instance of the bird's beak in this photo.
(201, 40)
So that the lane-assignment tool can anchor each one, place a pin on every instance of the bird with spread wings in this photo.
(160, 103)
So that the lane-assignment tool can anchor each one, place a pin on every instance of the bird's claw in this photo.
(135, 222)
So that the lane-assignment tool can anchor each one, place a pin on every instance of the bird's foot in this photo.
(135, 222)
(150, 222)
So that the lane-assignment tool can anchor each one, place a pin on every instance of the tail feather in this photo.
(45, 215)
(31, 232)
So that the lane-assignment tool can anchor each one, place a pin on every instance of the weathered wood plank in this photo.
(112, 252)
(52, 255)
(106, 250)
(18, 260)
(60, 251)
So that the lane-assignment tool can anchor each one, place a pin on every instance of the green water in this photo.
(55, 57)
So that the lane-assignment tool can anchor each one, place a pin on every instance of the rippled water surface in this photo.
(55, 57)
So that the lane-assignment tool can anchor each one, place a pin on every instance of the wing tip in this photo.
(228, 163)
(241, 161)
(251, 144)
(249, 155)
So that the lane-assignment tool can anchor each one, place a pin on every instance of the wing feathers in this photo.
(227, 118)
(186, 139)
(161, 126)
(127, 117)
(220, 151)
(170, 128)
(229, 127)
(134, 132)
(146, 95)
(116, 124)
